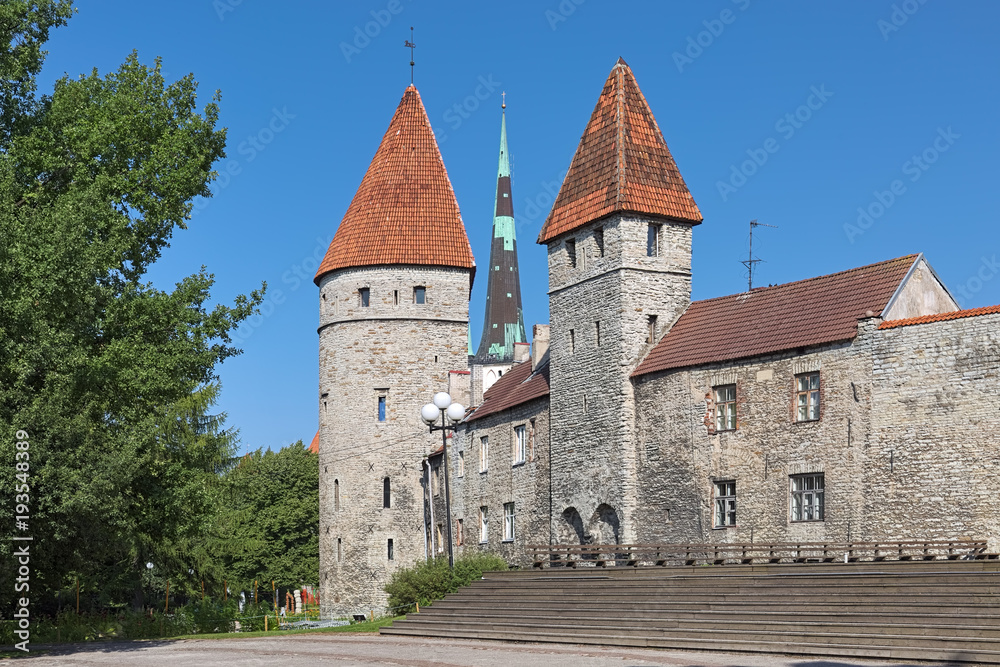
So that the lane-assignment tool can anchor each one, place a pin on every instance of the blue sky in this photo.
(795, 114)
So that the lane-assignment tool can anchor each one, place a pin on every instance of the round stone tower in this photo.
(394, 316)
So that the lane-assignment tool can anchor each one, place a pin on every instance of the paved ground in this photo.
(377, 651)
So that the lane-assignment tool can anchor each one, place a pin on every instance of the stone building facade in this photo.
(858, 406)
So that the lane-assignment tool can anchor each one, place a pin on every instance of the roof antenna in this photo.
(751, 260)
(409, 43)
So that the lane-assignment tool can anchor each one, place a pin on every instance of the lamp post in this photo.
(443, 408)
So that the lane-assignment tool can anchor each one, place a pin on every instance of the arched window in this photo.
(386, 493)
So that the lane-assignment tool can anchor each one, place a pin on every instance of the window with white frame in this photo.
(725, 408)
(508, 522)
(807, 397)
(520, 444)
(484, 525)
(484, 453)
(725, 504)
(807, 497)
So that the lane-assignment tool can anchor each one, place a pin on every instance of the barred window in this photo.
(807, 497)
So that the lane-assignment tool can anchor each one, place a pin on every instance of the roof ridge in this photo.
(758, 290)
(940, 317)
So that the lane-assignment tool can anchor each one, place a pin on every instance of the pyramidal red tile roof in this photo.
(314, 445)
(809, 312)
(404, 211)
(941, 317)
(518, 385)
(621, 164)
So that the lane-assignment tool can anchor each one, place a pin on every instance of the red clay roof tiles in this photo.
(809, 312)
(518, 385)
(314, 445)
(941, 317)
(621, 164)
(404, 211)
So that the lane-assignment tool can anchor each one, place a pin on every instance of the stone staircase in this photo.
(906, 610)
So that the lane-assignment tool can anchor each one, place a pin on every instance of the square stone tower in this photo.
(394, 317)
(619, 250)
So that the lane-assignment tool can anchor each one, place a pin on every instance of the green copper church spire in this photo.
(504, 323)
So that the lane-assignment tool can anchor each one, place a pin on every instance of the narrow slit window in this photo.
(381, 408)
(388, 548)
(336, 494)
(599, 241)
(364, 294)
(571, 251)
(653, 240)
(386, 493)
(651, 336)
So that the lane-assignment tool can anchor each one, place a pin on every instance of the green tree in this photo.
(110, 377)
(267, 523)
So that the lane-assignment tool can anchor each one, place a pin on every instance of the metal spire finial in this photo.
(409, 43)
(503, 101)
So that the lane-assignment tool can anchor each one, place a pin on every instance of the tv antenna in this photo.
(751, 261)
(410, 45)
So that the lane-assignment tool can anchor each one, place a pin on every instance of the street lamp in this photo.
(443, 407)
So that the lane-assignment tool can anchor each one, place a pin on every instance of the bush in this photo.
(432, 580)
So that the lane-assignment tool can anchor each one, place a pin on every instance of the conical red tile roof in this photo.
(404, 211)
(621, 164)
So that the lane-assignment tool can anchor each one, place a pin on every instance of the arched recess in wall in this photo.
(605, 525)
(571, 528)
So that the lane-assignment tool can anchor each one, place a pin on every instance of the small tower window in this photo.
(571, 251)
(364, 294)
(597, 332)
(420, 295)
(651, 338)
(395, 297)
(572, 341)
(338, 549)
(336, 494)
(388, 549)
(599, 241)
(386, 494)
(653, 240)
(381, 408)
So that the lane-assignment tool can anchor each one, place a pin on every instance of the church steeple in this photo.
(504, 322)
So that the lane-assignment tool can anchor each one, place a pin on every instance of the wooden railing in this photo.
(602, 555)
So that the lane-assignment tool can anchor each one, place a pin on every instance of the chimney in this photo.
(522, 352)
(540, 343)
(458, 387)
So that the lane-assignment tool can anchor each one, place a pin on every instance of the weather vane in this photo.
(409, 43)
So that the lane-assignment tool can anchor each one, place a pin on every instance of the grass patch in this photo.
(366, 626)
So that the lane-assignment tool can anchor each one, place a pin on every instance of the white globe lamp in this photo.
(429, 413)
(456, 411)
(442, 399)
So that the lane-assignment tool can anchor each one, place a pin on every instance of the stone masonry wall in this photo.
(600, 310)
(525, 484)
(402, 351)
(933, 464)
(681, 456)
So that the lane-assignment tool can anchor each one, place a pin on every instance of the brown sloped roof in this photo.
(404, 211)
(518, 385)
(621, 164)
(772, 319)
(941, 317)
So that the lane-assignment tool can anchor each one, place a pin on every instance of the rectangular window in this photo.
(386, 494)
(484, 453)
(461, 464)
(571, 251)
(807, 397)
(484, 532)
(364, 294)
(807, 497)
(520, 444)
(508, 522)
(599, 241)
(725, 504)
(459, 537)
(597, 333)
(381, 408)
(339, 545)
(653, 240)
(725, 408)
(651, 335)
(419, 295)
(388, 549)
(395, 297)
(572, 341)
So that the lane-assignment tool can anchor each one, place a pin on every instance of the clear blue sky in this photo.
(922, 83)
